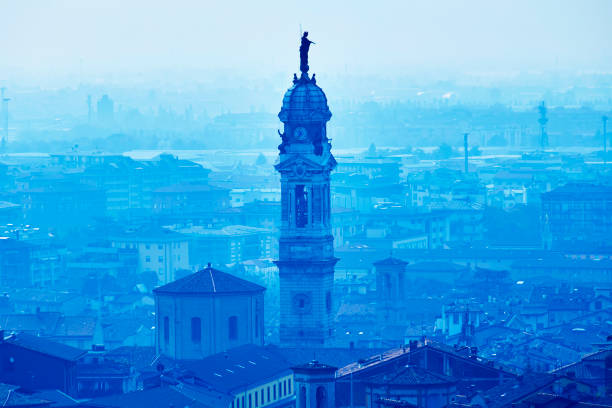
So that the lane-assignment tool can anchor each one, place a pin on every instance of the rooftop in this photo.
(435, 266)
(11, 398)
(390, 261)
(155, 397)
(44, 346)
(580, 191)
(411, 376)
(226, 231)
(190, 188)
(209, 281)
(313, 366)
(237, 368)
(149, 234)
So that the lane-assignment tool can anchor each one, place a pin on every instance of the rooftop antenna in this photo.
(89, 109)
(5, 102)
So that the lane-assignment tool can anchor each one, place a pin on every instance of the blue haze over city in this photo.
(305, 204)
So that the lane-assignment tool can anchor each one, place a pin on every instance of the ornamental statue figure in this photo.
(304, 47)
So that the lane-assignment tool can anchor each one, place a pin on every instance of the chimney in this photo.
(97, 347)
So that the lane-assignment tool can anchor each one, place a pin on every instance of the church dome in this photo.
(304, 102)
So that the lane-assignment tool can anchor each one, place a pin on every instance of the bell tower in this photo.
(306, 253)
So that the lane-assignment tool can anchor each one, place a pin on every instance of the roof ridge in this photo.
(212, 279)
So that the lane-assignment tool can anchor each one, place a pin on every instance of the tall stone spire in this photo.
(306, 253)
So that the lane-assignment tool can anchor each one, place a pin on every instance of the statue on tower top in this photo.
(304, 47)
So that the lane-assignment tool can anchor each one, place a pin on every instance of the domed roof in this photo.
(304, 101)
(209, 281)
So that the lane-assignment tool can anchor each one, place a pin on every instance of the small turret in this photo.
(315, 385)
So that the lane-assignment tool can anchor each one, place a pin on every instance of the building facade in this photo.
(160, 251)
(23, 355)
(577, 216)
(206, 313)
(306, 254)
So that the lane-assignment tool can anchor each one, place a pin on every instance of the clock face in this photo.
(302, 303)
(300, 133)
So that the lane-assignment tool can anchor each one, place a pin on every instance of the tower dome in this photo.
(304, 102)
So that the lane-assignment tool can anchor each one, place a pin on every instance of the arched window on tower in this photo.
(321, 397)
(301, 206)
(387, 285)
(232, 323)
(302, 397)
(196, 330)
(257, 322)
(166, 330)
(317, 204)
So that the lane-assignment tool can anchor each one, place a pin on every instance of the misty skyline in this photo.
(100, 41)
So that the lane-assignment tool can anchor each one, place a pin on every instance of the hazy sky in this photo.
(53, 37)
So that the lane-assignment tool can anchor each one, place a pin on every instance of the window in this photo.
(166, 330)
(301, 206)
(160, 259)
(233, 328)
(328, 301)
(387, 285)
(274, 391)
(268, 393)
(256, 324)
(147, 246)
(196, 330)
(160, 246)
(289, 386)
(262, 396)
(321, 396)
(147, 259)
(250, 401)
